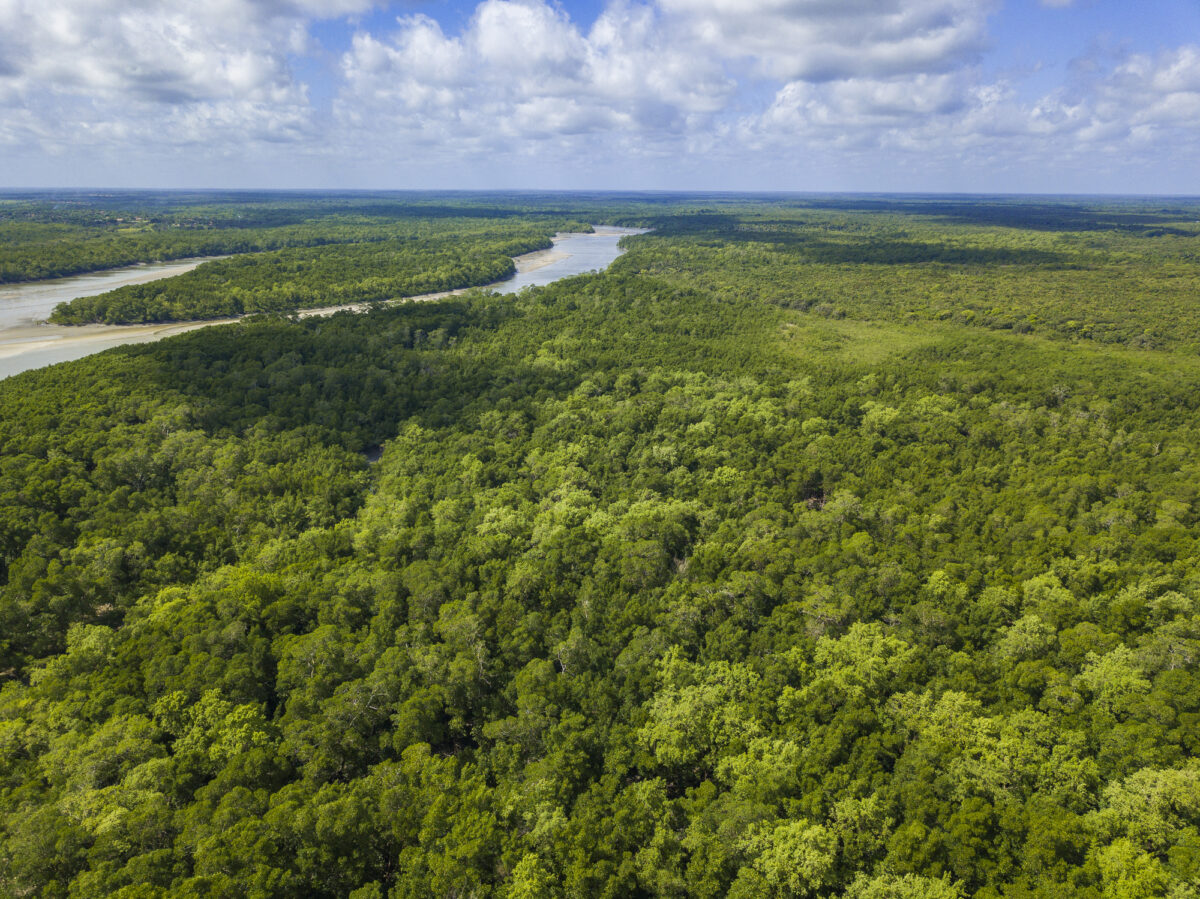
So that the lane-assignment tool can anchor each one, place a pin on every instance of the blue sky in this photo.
(1047, 96)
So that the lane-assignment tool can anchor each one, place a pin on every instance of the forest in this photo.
(54, 234)
(820, 547)
(313, 277)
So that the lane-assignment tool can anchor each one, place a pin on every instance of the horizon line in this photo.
(497, 191)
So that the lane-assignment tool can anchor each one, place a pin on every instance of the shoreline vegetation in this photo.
(74, 340)
(834, 548)
(287, 280)
(80, 234)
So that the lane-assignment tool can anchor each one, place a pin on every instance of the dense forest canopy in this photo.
(313, 277)
(821, 547)
(52, 234)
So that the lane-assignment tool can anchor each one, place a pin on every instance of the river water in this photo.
(573, 254)
(32, 301)
(27, 342)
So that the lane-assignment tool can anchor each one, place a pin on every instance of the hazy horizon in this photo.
(93, 189)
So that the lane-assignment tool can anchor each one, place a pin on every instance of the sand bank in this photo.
(27, 344)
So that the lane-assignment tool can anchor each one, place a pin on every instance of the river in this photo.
(28, 342)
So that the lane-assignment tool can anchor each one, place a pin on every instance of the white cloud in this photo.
(817, 40)
(522, 74)
(139, 70)
(715, 87)
(1112, 107)
(656, 79)
(673, 80)
(1134, 122)
(801, 107)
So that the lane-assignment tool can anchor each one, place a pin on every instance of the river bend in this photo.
(28, 342)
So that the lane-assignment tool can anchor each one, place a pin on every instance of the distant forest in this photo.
(820, 547)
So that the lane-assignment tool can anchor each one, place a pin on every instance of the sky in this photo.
(976, 96)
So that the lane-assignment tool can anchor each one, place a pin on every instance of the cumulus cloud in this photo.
(139, 69)
(522, 72)
(1138, 112)
(818, 40)
(722, 84)
(864, 103)
(1113, 105)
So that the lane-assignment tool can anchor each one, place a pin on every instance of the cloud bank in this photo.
(768, 93)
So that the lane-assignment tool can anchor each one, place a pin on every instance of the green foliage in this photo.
(341, 274)
(69, 233)
(1079, 272)
(655, 588)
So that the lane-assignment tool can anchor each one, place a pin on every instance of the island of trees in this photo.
(821, 547)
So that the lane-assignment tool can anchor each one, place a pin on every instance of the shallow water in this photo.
(584, 253)
(27, 342)
(33, 301)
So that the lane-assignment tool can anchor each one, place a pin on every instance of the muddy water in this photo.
(27, 342)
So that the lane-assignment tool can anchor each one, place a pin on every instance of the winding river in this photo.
(28, 342)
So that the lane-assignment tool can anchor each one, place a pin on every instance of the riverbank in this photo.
(27, 344)
(31, 302)
(539, 259)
